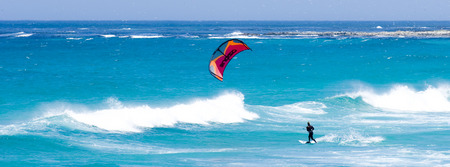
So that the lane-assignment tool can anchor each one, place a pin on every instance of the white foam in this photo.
(392, 156)
(146, 36)
(350, 137)
(12, 129)
(108, 36)
(401, 98)
(74, 38)
(306, 35)
(23, 34)
(290, 113)
(141, 148)
(401, 119)
(309, 107)
(36, 126)
(228, 108)
(189, 36)
(117, 117)
(236, 34)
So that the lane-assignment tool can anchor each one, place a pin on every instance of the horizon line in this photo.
(119, 20)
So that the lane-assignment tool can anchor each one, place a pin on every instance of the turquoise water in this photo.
(140, 94)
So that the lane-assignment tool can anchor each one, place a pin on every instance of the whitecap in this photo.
(402, 98)
(146, 36)
(74, 38)
(108, 36)
(23, 34)
(117, 117)
(237, 34)
(227, 108)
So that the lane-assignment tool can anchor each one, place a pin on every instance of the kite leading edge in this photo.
(223, 54)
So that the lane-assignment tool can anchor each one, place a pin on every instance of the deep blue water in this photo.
(123, 93)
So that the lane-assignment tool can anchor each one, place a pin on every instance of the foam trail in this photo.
(142, 148)
(228, 108)
(350, 137)
(402, 98)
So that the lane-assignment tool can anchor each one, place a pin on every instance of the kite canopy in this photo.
(223, 54)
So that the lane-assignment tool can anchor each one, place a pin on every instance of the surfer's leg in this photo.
(313, 137)
(310, 137)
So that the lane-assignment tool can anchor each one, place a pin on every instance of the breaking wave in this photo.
(117, 117)
(401, 98)
(228, 108)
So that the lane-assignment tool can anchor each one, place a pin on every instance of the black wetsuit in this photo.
(310, 129)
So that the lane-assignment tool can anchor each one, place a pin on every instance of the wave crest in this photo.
(402, 98)
(228, 108)
(119, 117)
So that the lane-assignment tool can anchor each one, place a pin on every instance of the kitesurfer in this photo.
(310, 129)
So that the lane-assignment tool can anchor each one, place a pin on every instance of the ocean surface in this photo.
(123, 93)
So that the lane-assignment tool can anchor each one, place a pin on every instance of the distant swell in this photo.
(238, 34)
(332, 34)
(146, 36)
(248, 35)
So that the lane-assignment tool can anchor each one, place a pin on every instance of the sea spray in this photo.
(401, 98)
(227, 108)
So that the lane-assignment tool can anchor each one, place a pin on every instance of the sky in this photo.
(197, 10)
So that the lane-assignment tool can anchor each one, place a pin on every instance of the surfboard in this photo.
(305, 142)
